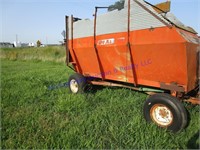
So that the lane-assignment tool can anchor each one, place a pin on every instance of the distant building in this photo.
(6, 45)
(17, 44)
(24, 44)
(31, 44)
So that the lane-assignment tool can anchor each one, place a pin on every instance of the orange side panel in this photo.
(155, 56)
(191, 65)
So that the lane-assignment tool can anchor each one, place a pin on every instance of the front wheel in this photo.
(77, 83)
(166, 111)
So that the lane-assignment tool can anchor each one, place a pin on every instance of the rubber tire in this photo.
(176, 107)
(81, 80)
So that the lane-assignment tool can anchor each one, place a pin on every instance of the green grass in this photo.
(32, 116)
(49, 53)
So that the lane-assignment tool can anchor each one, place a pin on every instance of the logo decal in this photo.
(106, 41)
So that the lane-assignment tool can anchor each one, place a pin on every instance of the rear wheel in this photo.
(166, 111)
(77, 83)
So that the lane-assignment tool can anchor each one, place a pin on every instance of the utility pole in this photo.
(16, 38)
(46, 40)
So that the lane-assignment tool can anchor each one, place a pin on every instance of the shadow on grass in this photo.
(92, 89)
(194, 142)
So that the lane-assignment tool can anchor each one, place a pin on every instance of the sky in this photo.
(44, 20)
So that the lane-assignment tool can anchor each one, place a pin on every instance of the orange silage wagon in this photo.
(143, 47)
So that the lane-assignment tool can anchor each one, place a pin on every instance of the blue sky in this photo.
(44, 20)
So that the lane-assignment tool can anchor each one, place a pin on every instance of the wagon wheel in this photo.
(166, 111)
(77, 83)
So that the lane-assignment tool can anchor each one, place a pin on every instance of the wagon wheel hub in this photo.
(74, 86)
(161, 115)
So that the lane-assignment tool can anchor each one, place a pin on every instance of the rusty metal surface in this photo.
(111, 84)
(172, 87)
(67, 40)
(194, 101)
(163, 7)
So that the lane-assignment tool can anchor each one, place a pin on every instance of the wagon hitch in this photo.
(194, 101)
(193, 96)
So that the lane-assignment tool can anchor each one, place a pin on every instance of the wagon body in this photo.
(140, 47)
(135, 45)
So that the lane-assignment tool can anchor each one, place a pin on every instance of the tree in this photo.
(118, 5)
(38, 43)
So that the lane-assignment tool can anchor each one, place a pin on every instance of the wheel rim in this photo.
(74, 86)
(161, 115)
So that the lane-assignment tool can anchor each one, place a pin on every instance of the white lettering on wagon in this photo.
(106, 41)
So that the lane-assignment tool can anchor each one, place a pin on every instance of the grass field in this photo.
(33, 116)
(49, 53)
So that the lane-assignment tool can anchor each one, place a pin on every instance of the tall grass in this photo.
(34, 117)
(49, 53)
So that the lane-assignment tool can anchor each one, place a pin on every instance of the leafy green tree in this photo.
(38, 43)
(118, 5)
